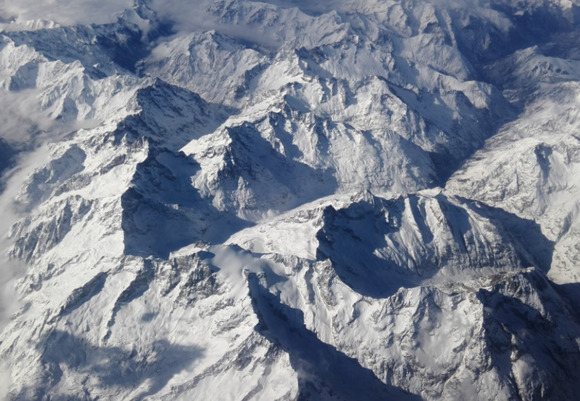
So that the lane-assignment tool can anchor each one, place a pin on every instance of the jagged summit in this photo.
(291, 200)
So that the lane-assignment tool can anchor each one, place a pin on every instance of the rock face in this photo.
(286, 200)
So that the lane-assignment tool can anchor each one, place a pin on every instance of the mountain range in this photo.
(292, 200)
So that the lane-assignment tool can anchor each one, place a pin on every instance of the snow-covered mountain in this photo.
(292, 200)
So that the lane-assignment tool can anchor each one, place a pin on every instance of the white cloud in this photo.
(5, 381)
(21, 116)
(198, 17)
(65, 12)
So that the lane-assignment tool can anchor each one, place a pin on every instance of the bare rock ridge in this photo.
(292, 200)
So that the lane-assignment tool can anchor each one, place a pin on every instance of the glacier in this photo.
(291, 200)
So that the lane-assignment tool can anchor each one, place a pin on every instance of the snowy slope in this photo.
(283, 200)
(531, 168)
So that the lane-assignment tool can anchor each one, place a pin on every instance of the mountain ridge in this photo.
(280, 197)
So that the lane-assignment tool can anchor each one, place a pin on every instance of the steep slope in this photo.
(531, 167)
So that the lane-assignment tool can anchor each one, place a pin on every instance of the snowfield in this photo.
(290, 200)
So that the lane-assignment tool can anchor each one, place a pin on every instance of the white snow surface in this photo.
(290, 200)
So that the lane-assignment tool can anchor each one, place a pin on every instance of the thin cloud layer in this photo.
(64, 12)
(21, 116)
(200, 16)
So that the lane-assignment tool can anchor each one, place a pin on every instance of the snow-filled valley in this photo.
(291, 200)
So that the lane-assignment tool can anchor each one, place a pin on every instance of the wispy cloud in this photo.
(21, 116)
(65, 12)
